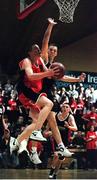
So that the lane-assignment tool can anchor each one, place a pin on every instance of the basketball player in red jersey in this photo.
(29, 87)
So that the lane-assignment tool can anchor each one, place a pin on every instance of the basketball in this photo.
(61, 68)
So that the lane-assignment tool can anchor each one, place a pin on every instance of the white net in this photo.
(66, 9)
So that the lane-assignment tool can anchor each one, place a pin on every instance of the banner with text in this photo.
(91, 79)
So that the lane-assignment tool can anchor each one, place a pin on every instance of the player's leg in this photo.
(63, 151)
(45, 106)
(55, 166)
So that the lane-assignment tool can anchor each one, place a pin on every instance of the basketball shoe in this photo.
(23, 147)
(37, 136)
(64, 152)
(34, 156)
(13, 144)
(52, 174)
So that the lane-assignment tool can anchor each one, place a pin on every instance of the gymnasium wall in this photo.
(80, 56)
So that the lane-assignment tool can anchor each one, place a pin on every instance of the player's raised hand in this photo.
(51, 21)
(82, 77)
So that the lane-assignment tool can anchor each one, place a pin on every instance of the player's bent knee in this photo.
(43, 101)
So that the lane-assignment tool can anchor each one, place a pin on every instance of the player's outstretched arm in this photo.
(81, 78)
(46, 38)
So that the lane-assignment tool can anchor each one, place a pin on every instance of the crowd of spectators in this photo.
(14, 118)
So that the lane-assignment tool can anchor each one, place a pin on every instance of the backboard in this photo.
(25, 7)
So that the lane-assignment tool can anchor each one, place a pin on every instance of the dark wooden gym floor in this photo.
(43, 174)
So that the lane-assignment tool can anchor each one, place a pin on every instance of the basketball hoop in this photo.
(66, 9)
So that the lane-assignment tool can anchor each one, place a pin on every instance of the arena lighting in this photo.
(23, 9)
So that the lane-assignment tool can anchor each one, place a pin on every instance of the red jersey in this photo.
(35, 85)
(73, 105)
(29, 90)
(13, 105)
(91, 116)
(91, 144)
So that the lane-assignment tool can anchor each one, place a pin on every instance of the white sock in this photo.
(61, 144)
(53, 167)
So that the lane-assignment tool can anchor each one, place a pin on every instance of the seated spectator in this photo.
(75, 93)
(12, 109)
(55, 97)
(78, 114)
(69, 91)
(73, 104)
(18, 126)
(81, 91)
(64, 96)
(88, 91)
(91, 160)
(90, 118)
(78, 140)
(8, 159)
(8, 87)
